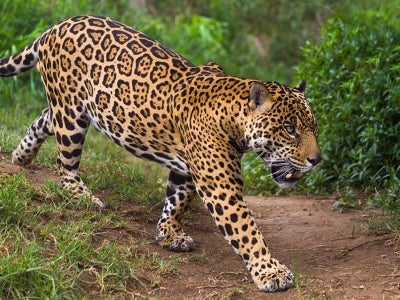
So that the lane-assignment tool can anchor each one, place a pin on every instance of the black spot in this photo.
(58, 138)
(95, 35)
(235, 244)
(222, 196)
(162, 155)
(81, 40)
(239, 181)
(77, 138)
(170, 191)
(59, 120)
(76, 152)
(158, 52)
(113, 24)
(96, 22)
(218, 209)
(7, 70)
(68, 124)
(121, 36)
(146, 41)
(228, 229)
(66, 154)
(87, 52)
(105, 42)
(145, 112)
(117, 140)
(136, 47)
(232, 201)
(28, 59)
(221, 228)
(234, 218)
(148, 156)
(82, 123)
(65, 140)
(17, 59)
(210, 207)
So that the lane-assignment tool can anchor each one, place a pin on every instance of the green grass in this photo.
(57, 249)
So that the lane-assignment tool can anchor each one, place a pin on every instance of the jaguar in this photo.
(196, 120)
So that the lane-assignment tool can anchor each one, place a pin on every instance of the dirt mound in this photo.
(333, 254)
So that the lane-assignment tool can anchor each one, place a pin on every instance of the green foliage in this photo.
(262, 38)
(354, 85)
(257, 178)
(197, 38)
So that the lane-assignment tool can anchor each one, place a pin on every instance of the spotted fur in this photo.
(196, 120)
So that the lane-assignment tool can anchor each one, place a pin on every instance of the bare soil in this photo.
(334, 254)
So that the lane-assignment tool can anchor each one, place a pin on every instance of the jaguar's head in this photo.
(282, 130)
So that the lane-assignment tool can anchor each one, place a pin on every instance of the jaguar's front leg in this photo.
(220, 187)
(180, 191)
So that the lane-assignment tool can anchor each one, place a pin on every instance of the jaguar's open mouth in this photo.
(285, 174)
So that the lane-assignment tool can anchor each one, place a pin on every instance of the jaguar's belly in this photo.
(143, 146)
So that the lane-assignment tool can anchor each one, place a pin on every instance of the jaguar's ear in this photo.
(301, 87)
(259, 97)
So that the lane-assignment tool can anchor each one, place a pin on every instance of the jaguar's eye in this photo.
(290, 129)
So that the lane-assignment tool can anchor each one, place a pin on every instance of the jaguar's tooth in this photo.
(289, 175)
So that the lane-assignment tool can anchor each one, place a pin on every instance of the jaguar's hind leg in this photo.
(29, 146)
(70, 135)
(180, 191)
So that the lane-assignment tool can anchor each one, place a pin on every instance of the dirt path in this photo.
(333, 254)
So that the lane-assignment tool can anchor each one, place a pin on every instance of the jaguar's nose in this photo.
(315, 159)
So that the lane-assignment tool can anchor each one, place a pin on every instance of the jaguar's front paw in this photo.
(178, 242)
(275, 277)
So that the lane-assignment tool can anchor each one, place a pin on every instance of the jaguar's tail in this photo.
(20, 62)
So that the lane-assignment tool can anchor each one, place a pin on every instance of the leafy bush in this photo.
(353, 77)
(197, 38)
